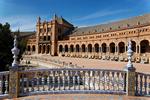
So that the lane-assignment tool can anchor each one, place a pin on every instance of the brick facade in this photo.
(107, 41)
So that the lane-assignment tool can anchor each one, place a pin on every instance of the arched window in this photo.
(40, 47)
(66, 48)
(43, 49)
(112, 47)
(77, 48)
(60, 48)
(121, 47)
(71, 48)
(96, 47)
(90, 48)
(28, 48)
(33, 48)
(83, 47)
(104, 47)
(48, 49)
(144, 46)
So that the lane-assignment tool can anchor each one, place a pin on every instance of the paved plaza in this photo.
(81, 97)
(99, 64)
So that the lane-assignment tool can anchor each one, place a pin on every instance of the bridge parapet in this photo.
(69, 80)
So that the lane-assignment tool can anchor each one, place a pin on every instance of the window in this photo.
(48, 37)
(40, 30)
(44, 38)
(49, 29)
(59, 30)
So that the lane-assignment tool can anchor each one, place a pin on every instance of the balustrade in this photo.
(142, 84)
(4, 76)
(73, 80)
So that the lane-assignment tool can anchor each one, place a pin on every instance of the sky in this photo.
(22, 14)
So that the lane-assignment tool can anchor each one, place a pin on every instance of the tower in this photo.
(54, 36)
(37, 34)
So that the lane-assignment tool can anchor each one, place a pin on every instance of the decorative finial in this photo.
(55, 17)
(15, 52)
(130, 54)
(39, 20)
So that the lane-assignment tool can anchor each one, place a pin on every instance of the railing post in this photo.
(13, 73)
(130, 78)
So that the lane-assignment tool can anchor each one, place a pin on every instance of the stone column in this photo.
(13, 73)
(116, 50)
(100, 49)
(139, 49)
(13, 83)
(130, 78)
(130, 84)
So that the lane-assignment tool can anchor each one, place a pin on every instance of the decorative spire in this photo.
(130, 53)
(39, 20)
(15, 52)
(55, 17)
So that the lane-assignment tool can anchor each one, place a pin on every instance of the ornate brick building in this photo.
(106, 41)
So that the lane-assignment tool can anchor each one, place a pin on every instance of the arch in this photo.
(112, 47)
(71, 48)
(43, 49)
(77, 48)
(40, 47)
(144, 46)
(121, 46)
(83, 47)
(89, 47)
(60, 48)
(48, 49)
(66, 48)
(133, 46)
(104, 47)
(28, 48)
(33, 48)
(96, 47)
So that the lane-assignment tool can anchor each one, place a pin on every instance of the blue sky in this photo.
(23, 14)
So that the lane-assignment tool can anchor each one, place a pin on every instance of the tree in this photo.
(22, 46)
(6, 44)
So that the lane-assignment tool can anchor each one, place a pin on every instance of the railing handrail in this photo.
(140, 73)
(71, 69)
(4, 72)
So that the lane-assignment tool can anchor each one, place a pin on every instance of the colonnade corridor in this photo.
(112, 51)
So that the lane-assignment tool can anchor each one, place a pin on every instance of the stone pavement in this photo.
(90, 63)
(100, 64)
(80, 97)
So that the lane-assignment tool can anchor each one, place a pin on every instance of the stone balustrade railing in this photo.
(142, 84)
(4, 83)
(72, 81)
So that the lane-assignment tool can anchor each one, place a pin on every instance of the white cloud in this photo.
(100, 14)
(24, 23)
